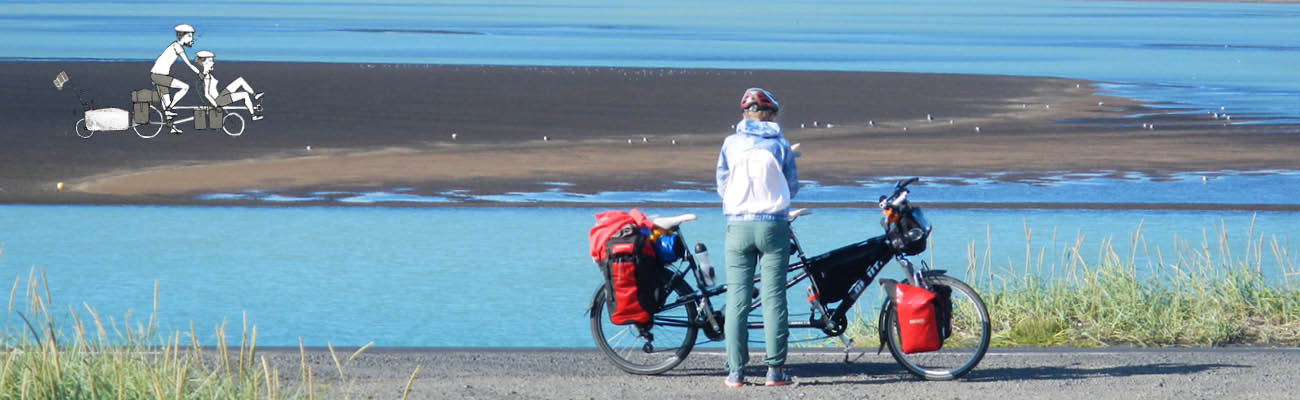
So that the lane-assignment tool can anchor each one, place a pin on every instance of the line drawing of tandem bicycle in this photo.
(146, 119)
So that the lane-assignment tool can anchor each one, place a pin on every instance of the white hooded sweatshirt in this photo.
(756, 173)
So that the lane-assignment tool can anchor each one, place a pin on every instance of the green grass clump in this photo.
(1203, 296)
(42, 361)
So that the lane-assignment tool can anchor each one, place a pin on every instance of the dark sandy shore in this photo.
(1254, 373)
(385, 126)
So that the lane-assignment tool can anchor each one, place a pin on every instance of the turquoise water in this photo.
(1202, 55)
(467, 276)
(1206, 187)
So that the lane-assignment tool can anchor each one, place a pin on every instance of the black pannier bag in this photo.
(942, 310)
(636, 278)
(836, 271)
(910, 233)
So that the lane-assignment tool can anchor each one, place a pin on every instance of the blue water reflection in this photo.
(513, 276)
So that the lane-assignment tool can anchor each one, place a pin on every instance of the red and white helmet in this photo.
(759, 99)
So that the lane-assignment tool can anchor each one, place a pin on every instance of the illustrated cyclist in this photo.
(237, 90)
(756, 179)
(160, 74)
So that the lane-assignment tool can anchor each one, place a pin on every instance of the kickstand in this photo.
(848, 348)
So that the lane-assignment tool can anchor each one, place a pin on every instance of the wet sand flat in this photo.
(386, 126)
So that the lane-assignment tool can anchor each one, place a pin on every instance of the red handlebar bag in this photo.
(916, 321)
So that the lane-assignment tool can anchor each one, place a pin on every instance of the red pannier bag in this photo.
(627, 260)
(633, 273)
(608, 224)
(917, 327)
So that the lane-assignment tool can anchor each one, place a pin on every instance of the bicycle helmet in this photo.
(756, 99)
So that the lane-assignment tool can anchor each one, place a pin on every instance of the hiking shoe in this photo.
(735, 379)
(776, 376)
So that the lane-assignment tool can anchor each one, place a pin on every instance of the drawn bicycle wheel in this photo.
(228, 124)
(82, 131)
(154, 126)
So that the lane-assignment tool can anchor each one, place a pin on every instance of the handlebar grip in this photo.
(898, 200)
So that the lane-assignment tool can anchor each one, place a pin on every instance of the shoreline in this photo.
(374, 126)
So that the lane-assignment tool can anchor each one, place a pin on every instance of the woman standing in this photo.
(756, 179)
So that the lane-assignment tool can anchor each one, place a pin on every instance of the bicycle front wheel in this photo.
(964, 347)
(671, 335)
(233, 124)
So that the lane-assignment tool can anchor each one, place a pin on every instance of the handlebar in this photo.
(899, 197)
(904, 184)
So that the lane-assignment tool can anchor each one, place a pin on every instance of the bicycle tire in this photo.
(626, 348)
(83, 131)
(228, 122)
(155, 125)
(961, 351)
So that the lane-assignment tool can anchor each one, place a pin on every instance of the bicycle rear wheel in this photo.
(83, 131)
(672, 335)
(155, 125)
(962, 350)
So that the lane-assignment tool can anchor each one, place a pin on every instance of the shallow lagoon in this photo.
(469, 276)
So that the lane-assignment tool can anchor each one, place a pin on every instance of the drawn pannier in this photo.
(140, 101)
(208, 118)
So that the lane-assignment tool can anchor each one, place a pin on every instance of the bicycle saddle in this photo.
(796, 213)
(672, 222)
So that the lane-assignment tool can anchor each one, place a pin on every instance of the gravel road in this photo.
(382, 373)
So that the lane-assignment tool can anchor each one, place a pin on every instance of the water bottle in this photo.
(706, 266)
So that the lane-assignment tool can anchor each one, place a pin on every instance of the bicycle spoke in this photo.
(965, 346)
(672, 336)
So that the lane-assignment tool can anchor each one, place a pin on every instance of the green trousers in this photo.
(765, 245)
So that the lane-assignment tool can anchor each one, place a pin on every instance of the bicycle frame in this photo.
(832, 322)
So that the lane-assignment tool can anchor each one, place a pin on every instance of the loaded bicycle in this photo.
(837, 279)
(146, 118)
